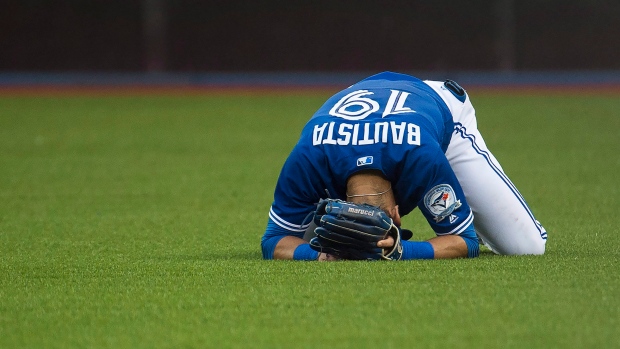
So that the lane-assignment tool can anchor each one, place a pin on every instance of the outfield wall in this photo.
(318, 35)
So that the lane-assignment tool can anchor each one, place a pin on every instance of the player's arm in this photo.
(444, 206)
(456, 246)
(440, 247)
(285, 249)
(450, 246)
(283, 240)
(294, 200)
(279, 243)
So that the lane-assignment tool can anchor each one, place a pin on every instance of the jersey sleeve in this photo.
(295, 196)
(297, 190)
(440, 196)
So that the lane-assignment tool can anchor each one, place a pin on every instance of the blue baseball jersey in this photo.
(390, 122)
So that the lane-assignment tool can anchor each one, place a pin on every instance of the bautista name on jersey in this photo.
(366, 133)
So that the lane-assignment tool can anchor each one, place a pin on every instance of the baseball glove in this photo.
(351, 231)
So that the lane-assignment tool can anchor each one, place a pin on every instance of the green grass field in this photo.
(135, 222)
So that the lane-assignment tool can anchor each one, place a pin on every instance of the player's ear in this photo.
(395, 215)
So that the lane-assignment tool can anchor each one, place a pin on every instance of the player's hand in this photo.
(386, 243)
(326, 257)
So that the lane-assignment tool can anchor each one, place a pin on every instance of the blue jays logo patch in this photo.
(441, 202)
(366, 160)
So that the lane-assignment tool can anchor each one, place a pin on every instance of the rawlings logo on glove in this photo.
(351, 231)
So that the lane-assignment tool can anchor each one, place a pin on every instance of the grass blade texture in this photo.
(136, 221)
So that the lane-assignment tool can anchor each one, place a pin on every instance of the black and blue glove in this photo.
(351, 231)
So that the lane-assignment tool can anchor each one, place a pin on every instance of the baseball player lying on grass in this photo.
(373, 153)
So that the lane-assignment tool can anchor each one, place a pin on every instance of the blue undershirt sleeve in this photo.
(471, 239)
(273, 234)
(268, 246)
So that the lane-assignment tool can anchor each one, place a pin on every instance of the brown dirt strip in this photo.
(140, 90)
(157, 90)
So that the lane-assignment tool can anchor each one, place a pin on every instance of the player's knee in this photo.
(538, 242)
(532, 247)
(518, 247)
(531, 241)
(538, 248)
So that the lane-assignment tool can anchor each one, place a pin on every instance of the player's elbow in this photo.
(268, 246)
(473, 247)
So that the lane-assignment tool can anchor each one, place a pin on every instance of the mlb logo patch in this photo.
(366, 160)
